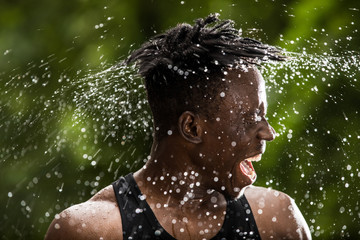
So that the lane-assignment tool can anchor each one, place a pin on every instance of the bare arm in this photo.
(276, 214)
(67, 225)
(98, 218)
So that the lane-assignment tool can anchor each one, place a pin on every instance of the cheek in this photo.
(239, 138)
(238, 132)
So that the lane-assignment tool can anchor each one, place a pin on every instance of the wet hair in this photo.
(183, 67)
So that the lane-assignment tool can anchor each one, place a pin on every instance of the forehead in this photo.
(245, 84)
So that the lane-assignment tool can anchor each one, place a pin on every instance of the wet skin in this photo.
(191, 171)
(238, 131)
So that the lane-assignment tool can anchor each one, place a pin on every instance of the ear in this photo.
(189, 127)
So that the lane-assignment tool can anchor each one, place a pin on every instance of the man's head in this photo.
(184, 68)
(236, 135)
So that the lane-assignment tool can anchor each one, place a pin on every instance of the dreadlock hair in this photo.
(182, 67)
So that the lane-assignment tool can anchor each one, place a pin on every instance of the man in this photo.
(209, 103)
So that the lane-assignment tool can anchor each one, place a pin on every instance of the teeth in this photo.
(254, 158)
(247, 170)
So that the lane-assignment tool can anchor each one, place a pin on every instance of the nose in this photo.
(266, 131)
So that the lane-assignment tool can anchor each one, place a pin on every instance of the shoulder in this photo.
(276, 214)
(97, 218)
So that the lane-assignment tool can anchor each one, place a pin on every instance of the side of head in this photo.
(184, 68)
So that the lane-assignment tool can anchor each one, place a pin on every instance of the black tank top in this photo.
(139, 221)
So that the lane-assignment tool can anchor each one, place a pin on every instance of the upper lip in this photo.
(254, 158)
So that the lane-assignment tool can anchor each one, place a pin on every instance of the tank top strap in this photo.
(239, 221)
(138, 220)
(250, 217)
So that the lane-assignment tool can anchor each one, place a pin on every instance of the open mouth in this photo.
(247, 168)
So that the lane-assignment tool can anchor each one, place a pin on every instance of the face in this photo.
(236, 135)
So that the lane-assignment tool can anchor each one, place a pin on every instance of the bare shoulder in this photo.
(97, 218)
(276, 214)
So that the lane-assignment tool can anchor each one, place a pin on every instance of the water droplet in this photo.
(7, 52)
(342, 210)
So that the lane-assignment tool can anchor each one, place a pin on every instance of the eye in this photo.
(253, 117)
(250, 118)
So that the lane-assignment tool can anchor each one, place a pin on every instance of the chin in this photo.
(236, 189)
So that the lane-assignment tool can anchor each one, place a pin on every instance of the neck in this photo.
(175, 191)
(169, 177)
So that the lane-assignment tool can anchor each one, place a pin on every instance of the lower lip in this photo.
(247, 169)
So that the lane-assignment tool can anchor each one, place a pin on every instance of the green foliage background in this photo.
(58, 147)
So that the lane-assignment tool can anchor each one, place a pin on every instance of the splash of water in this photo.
(311, 75)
